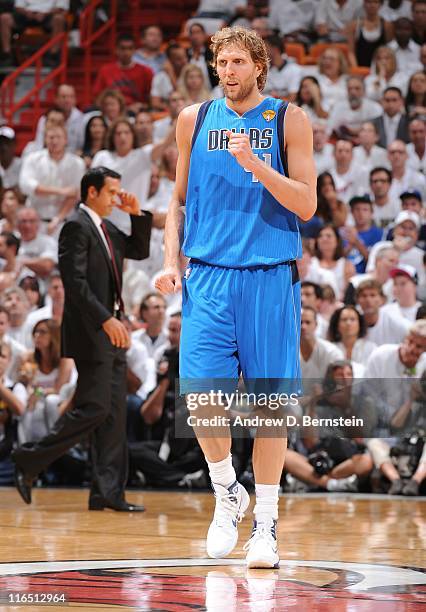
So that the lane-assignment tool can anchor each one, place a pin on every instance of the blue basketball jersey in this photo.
(232, 220)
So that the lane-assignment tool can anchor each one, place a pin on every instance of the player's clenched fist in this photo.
(169, 281)
(239, 146)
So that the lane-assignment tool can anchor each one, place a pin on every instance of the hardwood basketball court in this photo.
(338, 552)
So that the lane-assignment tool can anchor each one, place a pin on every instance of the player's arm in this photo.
(297, 193)
(170, 281)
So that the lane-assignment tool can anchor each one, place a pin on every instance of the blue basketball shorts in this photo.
(240, 320)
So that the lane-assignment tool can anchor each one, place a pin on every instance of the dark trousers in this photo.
(100, 410)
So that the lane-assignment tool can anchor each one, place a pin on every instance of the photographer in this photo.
(393, 368)
(411, 451)
(337, 455)
(168, 460)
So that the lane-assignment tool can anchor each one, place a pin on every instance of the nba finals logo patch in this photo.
(268, 115)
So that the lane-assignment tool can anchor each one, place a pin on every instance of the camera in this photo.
(321, 462)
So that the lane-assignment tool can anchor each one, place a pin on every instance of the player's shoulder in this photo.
(296, 113)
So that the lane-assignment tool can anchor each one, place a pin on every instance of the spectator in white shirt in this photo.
(407, 52)
(284, 75)
(416, 149)
(10, 165)
(54, 116)
(389, 365)
(316, 275)
(294, 19)
(350, 180)
(382, 327)
(347, 330)
(316, 354)
(393, 9)
(333, 69)
(133, 163)
(37, 252)
(309, 97)
(74, 119)
(415, 100)
(323, 150)
(54, 308)
(150, 54)
(144, 128)
(348, 115)
(312, 297)
(18, 350)
(405, 238)
(166, 81)
(175, 104)
(15, 301)
(368, 154)
(153, 315)
(403, 177)
(214, 14)
(385, 207)
(329, 256)
(51, 179)
(200, 54)
(384, 74)
(386, 260)
(406, 303)
(333, 16)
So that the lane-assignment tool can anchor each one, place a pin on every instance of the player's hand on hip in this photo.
(169, 281)
(117, 333)
(239, 146)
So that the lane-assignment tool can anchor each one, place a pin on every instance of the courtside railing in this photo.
(89, 35)
(8, 105)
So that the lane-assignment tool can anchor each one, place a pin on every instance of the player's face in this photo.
(237, 73)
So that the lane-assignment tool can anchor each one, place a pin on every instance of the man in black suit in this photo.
(199, 52)
(393, 124)
(91, 254)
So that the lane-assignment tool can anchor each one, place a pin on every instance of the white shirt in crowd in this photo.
(135, 170)
(336, 16)
(75, 125)
(414, 161)
(143, 366)
(376, 158)
(343, 114)
(324, 353)
(412, 257)
(161, 128)
(40, 169)
(391, 14)
(287, 17)
(31, 321)
(10, 176)
(332, 92)
(161, 85)
(284, 80)
(389, 329)
(141, 336)
(408, 312)
(351, 183)
(411, 180)
(324, 159)
(375, 85)
(407, 60)
(383, 215)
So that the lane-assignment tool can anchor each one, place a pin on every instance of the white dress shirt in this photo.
(75, 125)
(40, 169)
(408, 59)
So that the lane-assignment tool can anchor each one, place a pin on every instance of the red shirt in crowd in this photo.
(133, 82)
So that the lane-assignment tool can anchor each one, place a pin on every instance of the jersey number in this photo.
(267, 158)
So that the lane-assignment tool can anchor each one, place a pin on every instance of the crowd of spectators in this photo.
(363, 269)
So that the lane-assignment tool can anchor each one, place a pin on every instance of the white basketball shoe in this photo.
(231, 503)
(262, 548)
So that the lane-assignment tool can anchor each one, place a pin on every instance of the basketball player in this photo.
(245, 173)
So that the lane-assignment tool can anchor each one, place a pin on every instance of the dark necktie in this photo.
(114, 267)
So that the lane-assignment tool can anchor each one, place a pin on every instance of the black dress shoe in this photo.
(119, 507)
(24, 484)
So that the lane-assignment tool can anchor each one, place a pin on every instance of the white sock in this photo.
(222, 472)
(266, 508)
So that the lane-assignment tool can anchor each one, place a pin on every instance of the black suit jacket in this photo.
(87, 274)
(401, 133)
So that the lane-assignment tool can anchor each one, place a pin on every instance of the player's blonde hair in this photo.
(246, 39)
